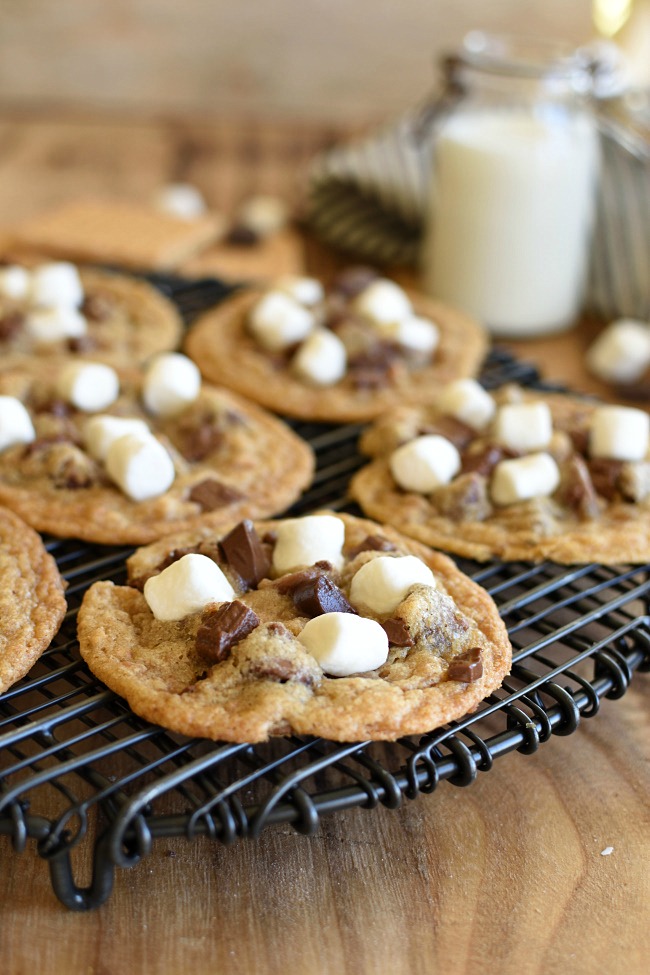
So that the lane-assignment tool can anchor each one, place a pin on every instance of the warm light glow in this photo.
(610, 15)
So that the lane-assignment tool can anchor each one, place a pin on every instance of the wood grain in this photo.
(506, 876)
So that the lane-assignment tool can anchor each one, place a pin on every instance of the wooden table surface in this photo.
(505, 876)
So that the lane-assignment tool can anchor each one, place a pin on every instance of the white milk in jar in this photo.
(511, 210)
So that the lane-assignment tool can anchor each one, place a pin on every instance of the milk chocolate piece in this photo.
(319, 595)
(482, 461)
(82, 344)
(576, 489)
(289, 583)
(199, 436)
(97, 307)
(353, 280)
(243, 550)
(466, 666)
(452, 429)
(241, 235)
(604, 475)
(397, 632)
(281, 670)
(10, 324)
(372, 543)
(211, 494)
(222, 628)
(373, 368)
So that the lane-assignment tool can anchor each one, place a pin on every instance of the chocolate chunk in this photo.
(55, 407)
(464, 499)
(482, 461)
(372, 543)
(281, 670)
(576, 490)
(374, 367)
(289, 583)
(198, 436)
(222, 628)
(604, 475)
(240, 235)
(97, 307)
(243, 550)
(319, 595)
(211, 494)
(580, 439)
(83, 343)
(459, 433)
(353, 280)
(467, 666)
(10, 324)
(397, 632)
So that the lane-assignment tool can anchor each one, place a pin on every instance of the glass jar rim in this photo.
(526, 56)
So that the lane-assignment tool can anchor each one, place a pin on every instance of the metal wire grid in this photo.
(77, 767)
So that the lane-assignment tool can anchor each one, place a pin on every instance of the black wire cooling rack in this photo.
(77, 767)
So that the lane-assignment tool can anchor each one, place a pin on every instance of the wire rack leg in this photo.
(83, 898)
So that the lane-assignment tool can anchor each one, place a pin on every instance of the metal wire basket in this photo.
(77, 767)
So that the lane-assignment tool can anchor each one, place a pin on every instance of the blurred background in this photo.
(338, 60)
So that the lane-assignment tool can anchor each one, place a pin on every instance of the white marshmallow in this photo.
(621, 353)
(619, 432)
(533, 476)
(15, 423)
(56, 285)
(186, 586)
(345, 644)
(100, 431)
(383, 302)
(381, 584)
(90, 386)
(321, 359)
(277, 321)
(140, 466)
(14, 282)
(425, 463)
(306, 291)
(524, 426)
(53, 324)
(263, 214)
(414, 334)
(171, 382)
(466, 400)
(181, 200)
(303, 541)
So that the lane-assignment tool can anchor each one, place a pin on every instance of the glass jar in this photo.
(514, 176)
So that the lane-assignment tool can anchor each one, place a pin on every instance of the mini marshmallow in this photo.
(53, 324)
(381, 584)
(414, 334)
(186, 586)
(466, 400)
(140, 466)
(171, 382)
(619, 433)
(90, 386)
(425, 463)
(621, 353)
(306, 291)
(345, 644)
(100, 432)
(15, 423)
(14, 282)
(264, 215)
(321, 359)
(181, 200)
(277, 321)
(303, 541)
(524, 426)
(522, 478)
(383, 302)
(57, 285)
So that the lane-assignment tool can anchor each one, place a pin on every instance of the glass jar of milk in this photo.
(513, 187)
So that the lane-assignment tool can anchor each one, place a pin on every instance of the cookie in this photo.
(32, 604)
(118, 232)
(216, 458)
(279, 253)
(552, 482)
(329, 360)
(261, 659)
(113, 318)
